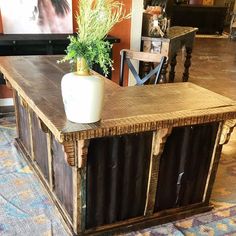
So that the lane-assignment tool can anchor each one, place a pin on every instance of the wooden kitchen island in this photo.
(152, 158)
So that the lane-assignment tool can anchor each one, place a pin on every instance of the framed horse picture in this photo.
(36, 16)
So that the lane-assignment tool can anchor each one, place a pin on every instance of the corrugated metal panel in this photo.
(184, 166)
(117, 175)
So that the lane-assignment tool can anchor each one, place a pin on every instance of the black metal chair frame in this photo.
(140, 81)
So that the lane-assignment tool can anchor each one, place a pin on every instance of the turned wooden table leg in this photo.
(172, 68)
(163, 74)
(187, 64)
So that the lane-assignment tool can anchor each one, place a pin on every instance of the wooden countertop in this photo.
(174, 33)
(127, 109)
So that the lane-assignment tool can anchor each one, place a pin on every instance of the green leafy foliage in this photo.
(95, 19)
(94, 52)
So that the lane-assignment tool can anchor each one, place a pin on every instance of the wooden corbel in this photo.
(42, 126)
(74, 157)
(69, 152)
(227, 129)
(160, 140)
(23, 102)
(82, 153)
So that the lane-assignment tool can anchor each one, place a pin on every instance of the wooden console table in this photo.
(152, 158)
(177, 38)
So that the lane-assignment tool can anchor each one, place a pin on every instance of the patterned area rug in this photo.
(25, 208)
(218, 222)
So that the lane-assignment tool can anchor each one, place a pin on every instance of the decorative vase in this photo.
(82, 94)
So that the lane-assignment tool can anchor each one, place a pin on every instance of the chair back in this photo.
(156, 59)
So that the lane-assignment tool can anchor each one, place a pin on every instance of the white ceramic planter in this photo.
(83, 97)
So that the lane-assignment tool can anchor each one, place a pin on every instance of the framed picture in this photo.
(36, 16)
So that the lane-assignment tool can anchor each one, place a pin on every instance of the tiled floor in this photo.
(213, 65)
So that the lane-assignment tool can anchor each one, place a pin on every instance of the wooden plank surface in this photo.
(175, 32)
(126, 110)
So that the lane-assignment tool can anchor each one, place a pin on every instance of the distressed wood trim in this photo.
(164, 49)
(79, 187)
(16, 98)
(76, 198)
(69, 150)
(82, 153)
(158, 143)
(143, 56)
(42, 126)
(227, 130)
(22, 102)
(223, 136)
(50, 161)
(155, 219)
(215, 158)
(29, 112)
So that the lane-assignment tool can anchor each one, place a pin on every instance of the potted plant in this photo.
(82, 91)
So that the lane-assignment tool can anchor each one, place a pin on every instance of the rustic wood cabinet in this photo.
(208, 19)
(152, 158)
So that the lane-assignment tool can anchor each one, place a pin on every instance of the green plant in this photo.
(95, 19)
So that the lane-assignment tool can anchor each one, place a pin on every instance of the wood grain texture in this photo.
(174, 33)
(69, 149)
(126, 110)
(50, 161)
(39, 145)
(228, 128)
(23, 124)
(159, 139)
(82, 153)
(16, 105)
(79, 187)
(79, 199)
(142, 56)
(213, 165)
(148, 221)
(63, 177)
